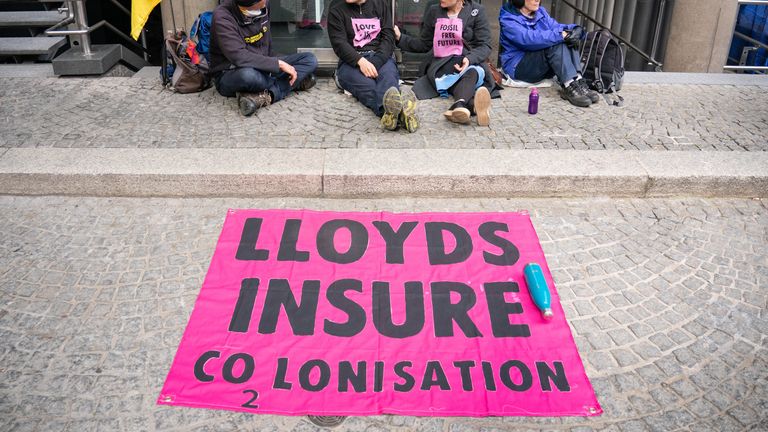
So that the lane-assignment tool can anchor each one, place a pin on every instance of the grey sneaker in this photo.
(408, 117)
(250, 102)
(393, 106)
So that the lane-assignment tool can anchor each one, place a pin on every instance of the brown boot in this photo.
(250, 102)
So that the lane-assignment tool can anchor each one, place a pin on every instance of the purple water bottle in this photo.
(533, 101)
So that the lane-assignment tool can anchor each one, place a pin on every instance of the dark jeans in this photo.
(465, 86)
(369, 91)
(559, 60)
(251, 80)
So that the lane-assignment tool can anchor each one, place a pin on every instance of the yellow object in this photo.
(140, 10)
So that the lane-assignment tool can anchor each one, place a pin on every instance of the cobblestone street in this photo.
(138, 113)
(666, 298)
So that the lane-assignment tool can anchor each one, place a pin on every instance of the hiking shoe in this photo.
(483, 106)
(408, 117)
(393, 106)
(458, 112)
(591, 94)
(250, 102)
(576, 95)
(307, 83)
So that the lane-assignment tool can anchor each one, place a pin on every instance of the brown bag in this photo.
(497, 78)
(190, 72)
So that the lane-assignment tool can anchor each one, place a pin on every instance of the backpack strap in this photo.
(605, 39)
(195, 28)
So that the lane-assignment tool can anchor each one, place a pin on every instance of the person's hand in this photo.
(367, 68)
(285, 67)
(464, 64)
(564, 34)
(397, 33)
(574, 36)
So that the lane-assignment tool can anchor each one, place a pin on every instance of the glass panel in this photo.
(299, 24)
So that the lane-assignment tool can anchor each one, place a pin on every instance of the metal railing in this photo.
(650, 58)
(745, 52)
(76, 15)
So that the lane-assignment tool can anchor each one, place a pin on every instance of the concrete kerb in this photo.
(339, 173)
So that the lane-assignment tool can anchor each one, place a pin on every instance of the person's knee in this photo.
(307, 59)
(252, 78)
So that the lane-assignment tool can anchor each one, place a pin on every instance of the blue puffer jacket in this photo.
(520, 34)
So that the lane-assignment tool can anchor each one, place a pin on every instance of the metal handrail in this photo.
(623, 40)
(102, 23)
(749, 39)
(76, 12)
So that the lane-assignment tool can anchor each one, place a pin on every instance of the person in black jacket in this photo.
(362, 37)
(243, 63)
(457, 34)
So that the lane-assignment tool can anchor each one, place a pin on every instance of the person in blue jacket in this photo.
(535, 47)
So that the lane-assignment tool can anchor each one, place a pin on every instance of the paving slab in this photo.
(665, 297)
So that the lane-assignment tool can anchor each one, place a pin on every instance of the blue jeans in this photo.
(251, 80)
(560, 60)
(369, 91)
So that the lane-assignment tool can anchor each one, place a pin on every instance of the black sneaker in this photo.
(250, 102)
(593, 95)
(576, 95)
(307, 83)
(408, 118)
(393, 106)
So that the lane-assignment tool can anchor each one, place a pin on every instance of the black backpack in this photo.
(602, 63)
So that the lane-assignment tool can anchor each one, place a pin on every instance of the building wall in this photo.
(184, 12)
(700, 35)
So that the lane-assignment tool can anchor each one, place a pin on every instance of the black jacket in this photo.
(237, 41)
(476, 34)
(342, 34)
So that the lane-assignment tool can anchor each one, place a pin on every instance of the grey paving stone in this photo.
(132, 112)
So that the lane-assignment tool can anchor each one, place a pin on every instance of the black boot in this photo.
(593, 95)
(576, 95)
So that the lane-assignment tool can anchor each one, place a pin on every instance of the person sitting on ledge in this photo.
(242, 61)
(457, 35)
(362, 37)
(536, 47)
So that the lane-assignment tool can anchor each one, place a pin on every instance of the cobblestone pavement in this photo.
(666, 299)
(134, 112)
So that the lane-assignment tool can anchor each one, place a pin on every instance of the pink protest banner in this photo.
(328, 313)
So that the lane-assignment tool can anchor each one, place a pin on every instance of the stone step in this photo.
(30, 45)
(369, 173)
(30, 18)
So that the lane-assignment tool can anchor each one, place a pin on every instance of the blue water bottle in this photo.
(537, 285)
(533, 101)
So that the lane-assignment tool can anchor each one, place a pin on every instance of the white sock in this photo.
(567, 83)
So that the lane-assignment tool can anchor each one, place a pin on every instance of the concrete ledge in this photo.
(479, 173)
(695, 78)
(162, 172)
(377, 173)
